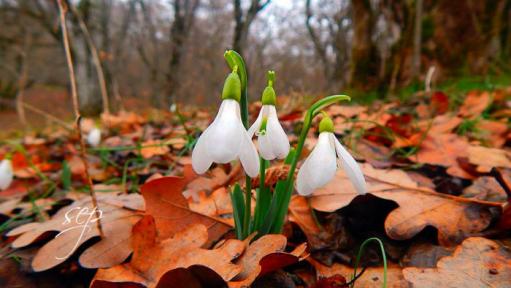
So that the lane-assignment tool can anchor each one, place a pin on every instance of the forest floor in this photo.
(438, 170)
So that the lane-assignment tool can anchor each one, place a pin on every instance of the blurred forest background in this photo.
(153, 53)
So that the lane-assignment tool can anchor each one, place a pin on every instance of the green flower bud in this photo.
(326, 124)
(269, 97)
(232, 86)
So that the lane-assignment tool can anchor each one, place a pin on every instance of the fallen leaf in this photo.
(443, 150)
(126, 121)
(217, 178)
(418, 207)
(345, 111)
(493, 132)
(489, 157)
(475, 103)
(154, 257)
(486, 188)
(442, 124)
(119, 214)
(425, 255)
(166, 203)
(215, 205)
(477, 262)
(265, 255)
(439, 103)
(153, 148)
(300, 212)
(272, 175)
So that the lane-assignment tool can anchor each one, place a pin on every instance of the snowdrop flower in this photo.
(6, 173)
(94, 137)
(272, 140)
(226, 139)
(319, 168)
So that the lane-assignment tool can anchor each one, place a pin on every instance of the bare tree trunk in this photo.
(364, 64)
(243, 20)
(95, 58)
(417, 40)
(495, 45)
(151, 63)
(22, 81)
(90, 99)
(184, 16)
(318, 46)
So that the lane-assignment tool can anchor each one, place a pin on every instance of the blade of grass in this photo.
(359, 255)
(238, 210)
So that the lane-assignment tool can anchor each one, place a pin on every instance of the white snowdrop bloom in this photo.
(226, 139)
(272, 140)
(320, 167)
(6, 174)
(94, 137)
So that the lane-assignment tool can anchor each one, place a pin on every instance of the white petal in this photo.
(257, 124)
(200, 157)
(319, 168)
(6, 174)
(265, 147)
(248, 154)
(224, 137)
(351, 167)
(278, 138)
(94, 137)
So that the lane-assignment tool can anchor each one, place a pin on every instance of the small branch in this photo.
(74, 94)
(40, 112)
(47, 115)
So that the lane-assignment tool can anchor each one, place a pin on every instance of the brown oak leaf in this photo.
(477, 262)
(418, 207)
(119, 214)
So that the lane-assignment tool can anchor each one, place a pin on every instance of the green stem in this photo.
(359, 255)
(234, 59)
(248, 206)
(263, 196)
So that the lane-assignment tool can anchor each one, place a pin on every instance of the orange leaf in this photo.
(166, 203)
(154, 258)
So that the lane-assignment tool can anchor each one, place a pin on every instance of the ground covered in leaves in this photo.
(439, 183)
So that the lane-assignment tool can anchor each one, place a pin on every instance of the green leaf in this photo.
(277, 209)
(263, 196)
(66, 176)
(238, 210)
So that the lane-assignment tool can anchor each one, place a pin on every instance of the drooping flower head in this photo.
(320, 167)
(272, 140)
(6, 173)
(226, 139)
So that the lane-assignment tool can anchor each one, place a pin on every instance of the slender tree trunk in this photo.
(417, 40)
(243, 20)
(90, 97)
(184, 16)
(364, 64)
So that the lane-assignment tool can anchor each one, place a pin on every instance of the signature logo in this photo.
(82, 218)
